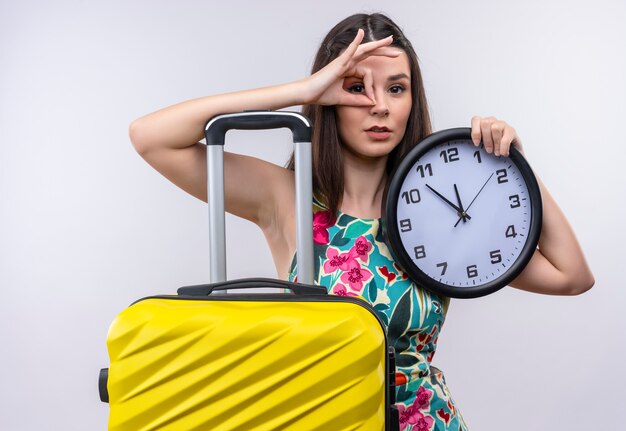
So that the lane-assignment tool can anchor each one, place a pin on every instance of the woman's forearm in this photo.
(181, 125)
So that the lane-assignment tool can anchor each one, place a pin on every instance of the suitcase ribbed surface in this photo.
(179, 364)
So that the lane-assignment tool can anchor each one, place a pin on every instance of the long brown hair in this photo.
(328, 172)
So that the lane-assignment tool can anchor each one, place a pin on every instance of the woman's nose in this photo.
(380, 108)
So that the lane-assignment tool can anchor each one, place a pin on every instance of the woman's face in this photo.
(374, 131)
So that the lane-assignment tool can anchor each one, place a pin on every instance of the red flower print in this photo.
(402, 273)
(444, 416)
(341, 290)
(321, 221)
(424, 338)
(361, 248)
(412, 416)
(356, 276)
(335, 261)
(384, 271)
(451, 407)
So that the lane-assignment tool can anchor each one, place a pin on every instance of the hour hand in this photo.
(456, 208)
(463, 214)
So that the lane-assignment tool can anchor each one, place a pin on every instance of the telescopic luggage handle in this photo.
(215, 131)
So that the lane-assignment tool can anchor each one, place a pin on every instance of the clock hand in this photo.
(457, 209)
(481, 189)
(464, 215)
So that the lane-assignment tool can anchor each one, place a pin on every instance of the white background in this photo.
(87, 227)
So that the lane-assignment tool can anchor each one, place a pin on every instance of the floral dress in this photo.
(351, 259)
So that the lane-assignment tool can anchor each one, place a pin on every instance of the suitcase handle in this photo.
(215, 131)
(217, 127)
(251, 283)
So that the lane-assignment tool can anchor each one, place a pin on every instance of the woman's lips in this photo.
(378, 133)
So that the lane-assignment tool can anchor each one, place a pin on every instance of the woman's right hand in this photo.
(325, 87)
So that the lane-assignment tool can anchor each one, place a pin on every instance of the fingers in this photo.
(368, 83)
(485, 133)
(333, 91)
(496, 135)
(497, 128)
(377, 47)
(354, 46)
(384, 51)
(476, 130)
(508, 136)
(358, 51)
(354, 100)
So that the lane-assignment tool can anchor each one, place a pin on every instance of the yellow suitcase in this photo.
(307, 361)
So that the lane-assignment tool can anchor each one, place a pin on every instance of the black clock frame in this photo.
(392, 234)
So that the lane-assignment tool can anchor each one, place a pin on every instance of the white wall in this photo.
(86, 227)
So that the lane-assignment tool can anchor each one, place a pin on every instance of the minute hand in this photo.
(457, 209)
(481, 189)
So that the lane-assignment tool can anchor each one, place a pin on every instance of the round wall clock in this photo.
(461, 222)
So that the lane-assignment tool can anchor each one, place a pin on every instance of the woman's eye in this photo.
(396, 89)
(356, 88)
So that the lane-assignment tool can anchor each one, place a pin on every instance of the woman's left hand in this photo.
(496, 135)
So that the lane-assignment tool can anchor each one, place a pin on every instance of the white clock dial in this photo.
(470, 248)
(460, 221)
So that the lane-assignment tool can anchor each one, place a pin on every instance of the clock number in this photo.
(412, 196)
(510, 232)
(496, 257)
(444, 266)
(450, 155)
(502, 176)
(477, 155)
(516, 202)
(472, 271)
(422, 170)
(405, 225)
(420, 252)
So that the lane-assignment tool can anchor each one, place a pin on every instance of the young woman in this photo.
(367, 104)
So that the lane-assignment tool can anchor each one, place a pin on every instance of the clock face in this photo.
(461, 221)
